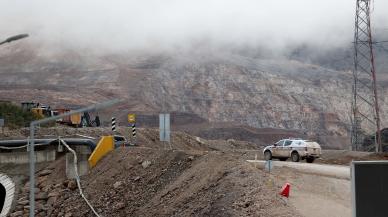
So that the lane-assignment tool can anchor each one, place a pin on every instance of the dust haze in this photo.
(170, 24)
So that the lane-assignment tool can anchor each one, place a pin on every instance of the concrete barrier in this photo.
(22, 157)
(83, 153)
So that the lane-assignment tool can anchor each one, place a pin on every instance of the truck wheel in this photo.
(267, 155)
(283, 159)
(295, 156)
(310, 159)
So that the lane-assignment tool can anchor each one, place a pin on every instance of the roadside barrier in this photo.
(104, 146)
(113, 124)
(134, 134)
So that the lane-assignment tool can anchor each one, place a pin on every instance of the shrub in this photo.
(15, 117)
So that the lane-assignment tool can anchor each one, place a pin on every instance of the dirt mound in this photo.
(198, 178)
(135, 182)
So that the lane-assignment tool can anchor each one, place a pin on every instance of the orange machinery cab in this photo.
(74, 119)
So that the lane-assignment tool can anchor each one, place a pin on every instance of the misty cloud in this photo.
(129, 24)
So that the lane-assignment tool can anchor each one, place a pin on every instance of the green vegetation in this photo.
(14, 116)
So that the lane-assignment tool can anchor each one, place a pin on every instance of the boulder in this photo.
(146, 164)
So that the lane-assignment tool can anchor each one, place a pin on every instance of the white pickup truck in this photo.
(296, 149)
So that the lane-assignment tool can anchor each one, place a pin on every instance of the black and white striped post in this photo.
(132, 122)
(134, 133)
(113, 124)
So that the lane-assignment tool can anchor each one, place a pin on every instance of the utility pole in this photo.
(365, 107)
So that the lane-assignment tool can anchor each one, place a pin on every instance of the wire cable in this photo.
(19, 147)
(77, 177)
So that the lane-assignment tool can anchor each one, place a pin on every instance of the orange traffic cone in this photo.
(285, 190)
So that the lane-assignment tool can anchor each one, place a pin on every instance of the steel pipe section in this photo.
(71, 141)
(7, 192)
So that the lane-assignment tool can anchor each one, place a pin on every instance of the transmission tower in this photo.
(365, 108)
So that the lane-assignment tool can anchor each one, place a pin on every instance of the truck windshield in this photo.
(287, 143)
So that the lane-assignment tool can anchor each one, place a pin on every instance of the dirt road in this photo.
(316, 190)
(319, 196)
(341, 172)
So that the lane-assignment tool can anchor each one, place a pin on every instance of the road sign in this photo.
(131, 118)
(1, 122)
(369, 188)
(164, 127)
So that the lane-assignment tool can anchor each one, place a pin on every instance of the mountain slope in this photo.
(214, 86)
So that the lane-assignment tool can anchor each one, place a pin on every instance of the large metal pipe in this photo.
(71, 141)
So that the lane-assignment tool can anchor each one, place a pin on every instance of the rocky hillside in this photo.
(212, 86)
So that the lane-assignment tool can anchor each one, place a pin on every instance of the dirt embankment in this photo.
(345, 157)
(178, 184)
(196, 178)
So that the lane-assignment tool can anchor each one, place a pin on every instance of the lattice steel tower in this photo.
(365, 108)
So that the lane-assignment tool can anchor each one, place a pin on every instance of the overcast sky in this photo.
(128, 24)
